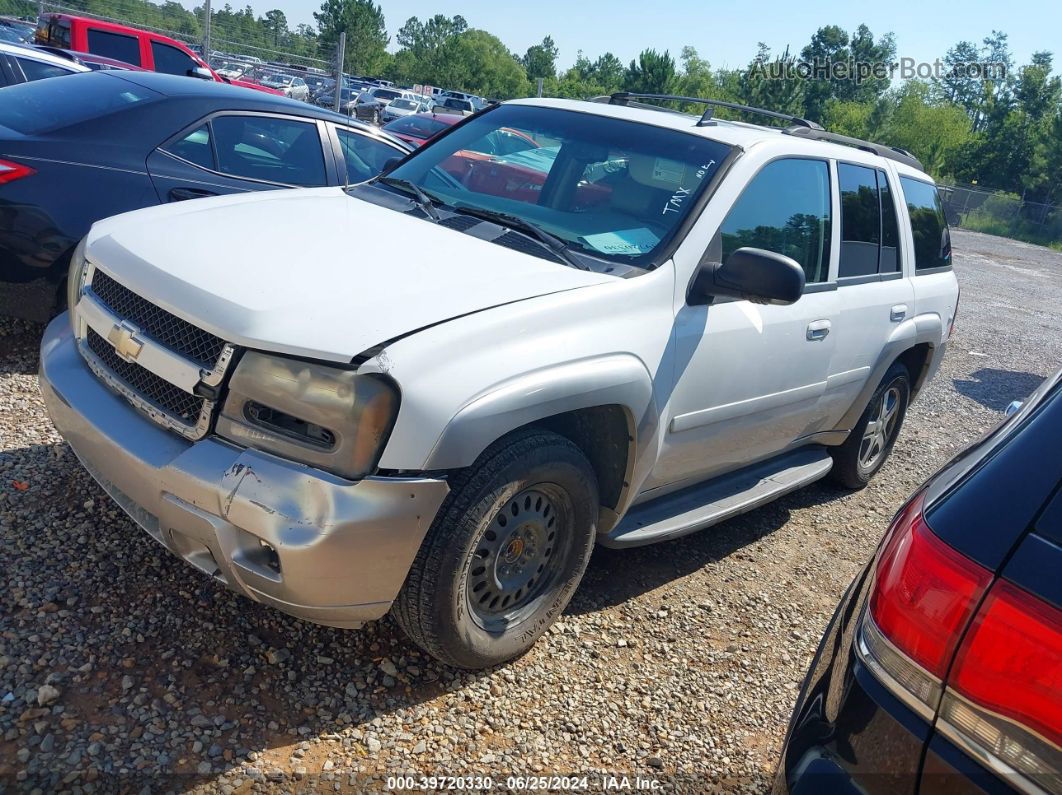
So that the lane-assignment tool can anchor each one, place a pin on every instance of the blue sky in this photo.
(724, 32)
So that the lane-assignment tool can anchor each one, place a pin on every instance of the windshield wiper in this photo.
(552, 242)
(422, 199)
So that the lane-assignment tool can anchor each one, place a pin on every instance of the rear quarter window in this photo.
(929, 228)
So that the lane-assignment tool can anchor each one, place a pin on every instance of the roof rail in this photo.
(802, 128)
(890, 152)
(624, 98)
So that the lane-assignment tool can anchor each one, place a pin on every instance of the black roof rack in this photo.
(890, 152)
(801, 128)
(624, 98)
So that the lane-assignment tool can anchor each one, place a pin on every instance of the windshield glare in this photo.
(606, 187)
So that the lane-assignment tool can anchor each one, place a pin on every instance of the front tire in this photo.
(505, 554)
(869, 444)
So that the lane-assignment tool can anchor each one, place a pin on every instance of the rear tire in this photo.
(505, 553)
(869, 444)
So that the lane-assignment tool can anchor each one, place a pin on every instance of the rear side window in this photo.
(114, 45)
(869, 238)
(35, 70)
(889, 261)
(194, 147)
(932, 240)
(275, 150)
(171, 60)
(785, 209)
(59, 34)
(860, 220)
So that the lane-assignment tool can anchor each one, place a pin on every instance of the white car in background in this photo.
(294, 87)
(403, 106)
(23, 63)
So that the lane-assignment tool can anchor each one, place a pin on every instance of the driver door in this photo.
(749, 378)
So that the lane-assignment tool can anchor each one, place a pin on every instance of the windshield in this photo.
(417, 126)
(404, 104)
(606, 187)
(383, 93)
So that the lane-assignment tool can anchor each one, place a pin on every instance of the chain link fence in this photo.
(1005, 214)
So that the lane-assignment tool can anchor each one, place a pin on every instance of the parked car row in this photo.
(81, 148)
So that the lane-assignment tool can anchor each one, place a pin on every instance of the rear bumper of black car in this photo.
(848, 733)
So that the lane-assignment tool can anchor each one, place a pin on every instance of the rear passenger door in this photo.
(874, 296)
(232, 152)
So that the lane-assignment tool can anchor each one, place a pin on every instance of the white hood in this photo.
(313, 272)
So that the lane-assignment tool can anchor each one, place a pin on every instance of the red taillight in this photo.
(924, 592)
(999, 693)
(9, 171)
(1010, 661)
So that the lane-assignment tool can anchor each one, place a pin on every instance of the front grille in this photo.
(178, 335)
(160, 393)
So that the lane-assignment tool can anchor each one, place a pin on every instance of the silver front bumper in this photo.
(343, 547)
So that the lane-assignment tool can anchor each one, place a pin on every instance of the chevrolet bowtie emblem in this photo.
(123, 338)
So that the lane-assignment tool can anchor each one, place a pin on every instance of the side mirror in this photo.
(201, 72)
(760, 276)
(391, 163)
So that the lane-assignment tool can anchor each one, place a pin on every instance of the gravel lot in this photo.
(120, 665)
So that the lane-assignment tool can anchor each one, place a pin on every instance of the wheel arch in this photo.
(919, 344)
(605, 406)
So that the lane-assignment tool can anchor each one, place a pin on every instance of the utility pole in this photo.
(206, 31)
(338, 94)
(40, 8)
(539, 80)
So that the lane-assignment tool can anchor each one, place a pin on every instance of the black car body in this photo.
(84, 147)
(941, 671)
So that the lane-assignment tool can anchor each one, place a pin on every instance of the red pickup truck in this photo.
(141, 48)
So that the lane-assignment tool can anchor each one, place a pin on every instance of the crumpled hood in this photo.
(313, 272)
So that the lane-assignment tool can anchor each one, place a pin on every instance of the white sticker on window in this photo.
(665, 170)
(624, 241)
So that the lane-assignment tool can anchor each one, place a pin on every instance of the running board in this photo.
(705, 504)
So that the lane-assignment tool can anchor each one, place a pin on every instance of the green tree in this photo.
(479, 62)
(773, 84)
(652, 73)
(366, 31)
(278, 23)
(540, 60)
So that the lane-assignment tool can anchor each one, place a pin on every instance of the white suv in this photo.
(633, 327)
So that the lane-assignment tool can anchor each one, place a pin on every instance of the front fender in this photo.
(614, 379)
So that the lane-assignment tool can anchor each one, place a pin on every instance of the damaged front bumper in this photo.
(319, 547)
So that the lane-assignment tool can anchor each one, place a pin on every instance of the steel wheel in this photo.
(518, 556)
(880, 428)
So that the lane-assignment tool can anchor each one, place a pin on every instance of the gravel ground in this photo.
(120, 665)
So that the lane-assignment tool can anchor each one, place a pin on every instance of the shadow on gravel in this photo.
(995, 389)
(615, 576)
(19, 346)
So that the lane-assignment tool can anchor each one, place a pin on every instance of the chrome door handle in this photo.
(898, 313)
(818, 329)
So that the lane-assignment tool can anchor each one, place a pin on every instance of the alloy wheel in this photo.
(880, 428)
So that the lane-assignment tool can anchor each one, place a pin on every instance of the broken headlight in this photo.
(324, 416)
